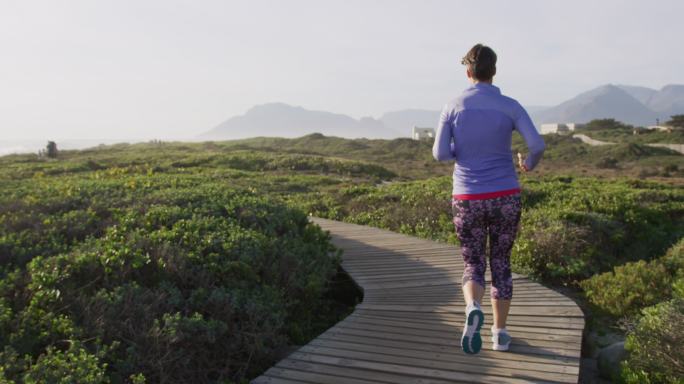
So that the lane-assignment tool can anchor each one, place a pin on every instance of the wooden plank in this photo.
(541, 310)
(518, 349)
(383, 265)
(429, 348)
(468, 365)
(518, 284)
(410, 370)
(449, 326)
(455, 301)
(446, 356)
(452, 290)
(559, 322)
(517, 296)
(398, 261)
(514, 326)
(385, 377)
(263, 379)
(412, 276)
(454, 341)
(314, 377)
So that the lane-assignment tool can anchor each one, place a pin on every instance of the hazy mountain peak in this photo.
(368, 119)
(669, 100)
(643, 94)
(273, 108)
(605, 101)
(673, 87)
(601, 90)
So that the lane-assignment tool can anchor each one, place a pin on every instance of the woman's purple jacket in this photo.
(475, 130)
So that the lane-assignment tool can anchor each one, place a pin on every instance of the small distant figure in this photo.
(51, 149)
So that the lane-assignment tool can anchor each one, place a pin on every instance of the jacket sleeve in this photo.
(533, 140)
(443, 148)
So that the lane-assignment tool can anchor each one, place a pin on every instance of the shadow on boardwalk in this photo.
(408, 327)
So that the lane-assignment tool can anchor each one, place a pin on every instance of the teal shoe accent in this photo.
(471, 341)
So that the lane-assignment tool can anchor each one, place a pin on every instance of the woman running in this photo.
(475, 130)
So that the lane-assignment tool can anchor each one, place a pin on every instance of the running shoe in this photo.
(501, 340)
(471, 341)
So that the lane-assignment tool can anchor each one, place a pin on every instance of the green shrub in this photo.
(600, 124)
(636, 285)
(420, 208)
(629, 287)
(74, 365)
(552, 249)
(678, 288)
(656, 345)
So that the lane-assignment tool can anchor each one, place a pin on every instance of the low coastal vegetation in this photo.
(127, 274)
(195, 262)
(611, 130)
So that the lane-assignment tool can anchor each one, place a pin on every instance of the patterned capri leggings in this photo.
(496, 218)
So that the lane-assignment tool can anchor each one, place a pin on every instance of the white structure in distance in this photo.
(559, 128)
(422, 133)
(661, 128)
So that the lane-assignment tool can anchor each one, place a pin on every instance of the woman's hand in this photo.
(521, 162)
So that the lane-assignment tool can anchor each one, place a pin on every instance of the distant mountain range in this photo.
(282, 120)
(630, 104)
(626, 103)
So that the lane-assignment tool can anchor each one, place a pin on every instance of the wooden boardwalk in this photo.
(408, 327)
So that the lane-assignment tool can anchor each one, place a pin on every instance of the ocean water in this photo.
(8, 147)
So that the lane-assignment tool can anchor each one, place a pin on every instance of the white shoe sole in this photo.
(500, 347)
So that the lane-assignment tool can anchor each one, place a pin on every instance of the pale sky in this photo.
(137, 69)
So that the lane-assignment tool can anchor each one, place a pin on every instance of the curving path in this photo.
(588, 140)
(408, 327)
